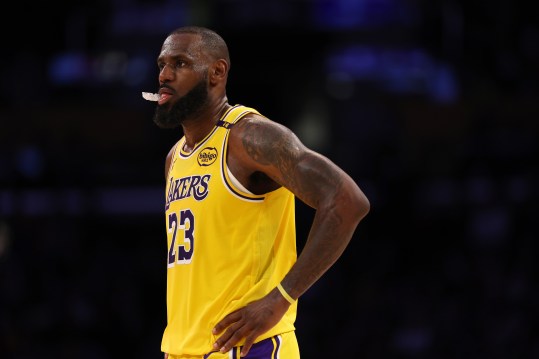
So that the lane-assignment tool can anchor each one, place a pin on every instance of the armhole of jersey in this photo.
(231, 183)
(235, 181)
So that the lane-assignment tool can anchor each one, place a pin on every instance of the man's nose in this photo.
(167, 73)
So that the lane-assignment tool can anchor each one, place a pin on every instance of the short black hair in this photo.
(212, 41)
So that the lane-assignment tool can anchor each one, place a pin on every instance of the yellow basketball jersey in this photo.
(226, 246)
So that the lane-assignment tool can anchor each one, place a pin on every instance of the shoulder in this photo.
(257, 130)
(254, 121)
(169, 158)
(171, 152)
(263, 142)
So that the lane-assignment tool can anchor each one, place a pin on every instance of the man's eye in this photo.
(178, 64)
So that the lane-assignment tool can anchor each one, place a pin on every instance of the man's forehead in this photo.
(180, 43)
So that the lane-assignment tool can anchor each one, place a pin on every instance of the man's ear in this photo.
(218, 71)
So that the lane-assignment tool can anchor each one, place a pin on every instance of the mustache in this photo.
(165, 86)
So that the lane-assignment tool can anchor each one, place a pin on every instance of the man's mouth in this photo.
(164, 97)
(161, 98)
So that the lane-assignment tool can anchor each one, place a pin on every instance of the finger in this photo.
(234, 336)
(249, 340)
(166, 356)
(225, 337)
(226, 321)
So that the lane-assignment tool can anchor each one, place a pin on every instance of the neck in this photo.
(199, 127)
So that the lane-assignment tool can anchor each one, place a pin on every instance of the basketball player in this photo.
(234, 276)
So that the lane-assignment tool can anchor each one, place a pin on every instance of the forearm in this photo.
(331, 231)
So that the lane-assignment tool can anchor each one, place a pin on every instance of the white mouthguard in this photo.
(151, 96)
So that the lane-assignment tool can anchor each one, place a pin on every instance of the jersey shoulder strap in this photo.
(234, 114)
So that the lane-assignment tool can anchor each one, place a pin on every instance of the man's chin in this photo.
(163, 118)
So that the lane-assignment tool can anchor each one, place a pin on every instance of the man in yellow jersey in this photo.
(233, 275)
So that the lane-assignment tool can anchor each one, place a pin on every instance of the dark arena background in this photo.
(431, 106)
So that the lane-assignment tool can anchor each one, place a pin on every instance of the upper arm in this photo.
(271, 148)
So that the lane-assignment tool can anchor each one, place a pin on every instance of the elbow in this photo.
(365, 206)
(360, 204)
(357, 204)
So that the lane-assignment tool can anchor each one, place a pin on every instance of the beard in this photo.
(186, 107)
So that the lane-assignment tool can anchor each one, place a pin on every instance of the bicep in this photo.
(313, 178)
(276, 151)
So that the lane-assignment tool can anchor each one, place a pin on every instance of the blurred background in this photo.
(431, 106)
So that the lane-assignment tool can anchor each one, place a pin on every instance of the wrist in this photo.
(285, 294)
